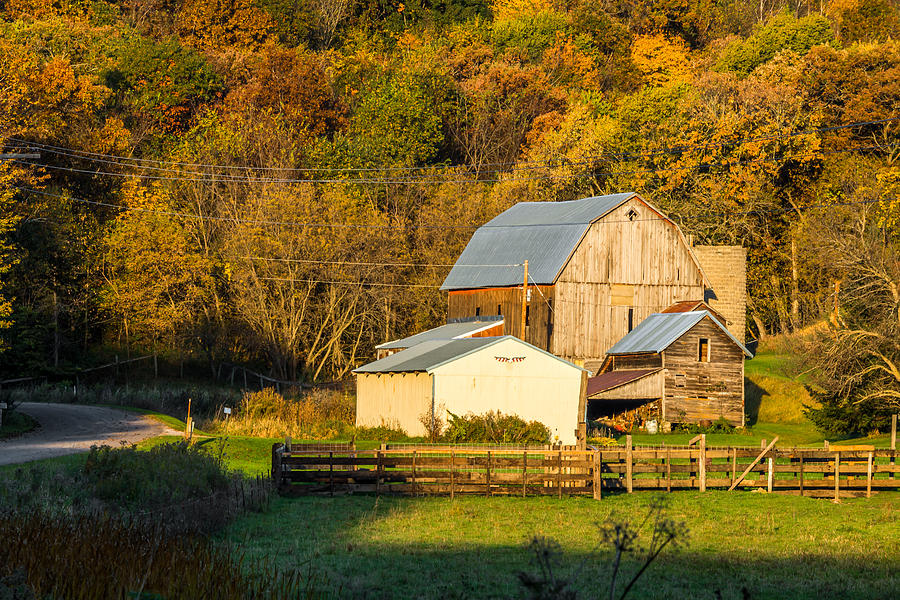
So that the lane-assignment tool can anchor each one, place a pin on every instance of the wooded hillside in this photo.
(286, 182)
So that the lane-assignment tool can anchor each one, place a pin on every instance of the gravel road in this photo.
(71, 428)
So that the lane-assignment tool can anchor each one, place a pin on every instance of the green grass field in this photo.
(772, 546)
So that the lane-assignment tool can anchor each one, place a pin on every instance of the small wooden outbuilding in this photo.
(456, 329)
(676, 367)
(473, 375)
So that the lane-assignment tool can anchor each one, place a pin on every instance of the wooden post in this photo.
(598, 477)
(452, 464)
(668, 470)
(629, 467)
(559, 474)
(762, 443)
(801, 474)
(155, 366)
(581, 432)
(276, 465)
(487, 475)
(378, 473)
(770, 474)
(524, 301)
(331, 474)
(837, 476)
(894, 432)
(524, 471)
(869, 475)
(415, 487)
(287, 444)
(703, 462)
(733, 464)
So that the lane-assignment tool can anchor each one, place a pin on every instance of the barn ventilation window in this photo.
(527, 315)
(630, 319)
(632, 214)
(499, 311)
(703, 350)
(477, 311)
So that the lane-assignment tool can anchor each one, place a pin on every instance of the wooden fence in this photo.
(836, 472)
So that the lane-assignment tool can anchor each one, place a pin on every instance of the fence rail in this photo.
(835, 472)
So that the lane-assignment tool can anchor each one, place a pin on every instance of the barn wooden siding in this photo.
(711, 389)
(484, 302)
(620, 264)
(644, 265)
(647, 387)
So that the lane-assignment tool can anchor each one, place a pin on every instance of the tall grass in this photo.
(318, 414)
(168, 399)
(85, 558)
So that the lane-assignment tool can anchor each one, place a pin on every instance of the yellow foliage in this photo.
(216, 24)
(661, 59)
(889, 205)
(511, 9)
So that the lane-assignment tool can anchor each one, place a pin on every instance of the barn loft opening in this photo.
(703, 350)
(632, 214)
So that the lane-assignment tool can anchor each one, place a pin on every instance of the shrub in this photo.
(319, 414)
(720, 425)
(495, 427)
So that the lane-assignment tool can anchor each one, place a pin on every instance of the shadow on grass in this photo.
(753, 395)
(473, 548)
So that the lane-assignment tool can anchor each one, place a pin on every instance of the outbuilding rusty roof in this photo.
(613, 379)
(694, 305)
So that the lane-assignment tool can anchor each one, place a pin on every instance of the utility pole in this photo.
(524, 300)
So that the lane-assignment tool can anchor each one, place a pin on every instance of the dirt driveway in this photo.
(71, 428)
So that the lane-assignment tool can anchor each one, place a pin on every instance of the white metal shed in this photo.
(470, 375)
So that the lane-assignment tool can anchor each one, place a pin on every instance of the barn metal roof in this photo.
(450, 331)
(613, 379)
(427, 356)
(543, 233)
(658, 331)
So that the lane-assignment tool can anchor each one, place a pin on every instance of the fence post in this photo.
(524, 472)
(415, 487)
(287, 444)
(487, 475)
(837, 476)
(276, 464)
(770, 474)
(559, 474)
(668, 470)
(330, 471)
(801, 474)
(733, 464)
(598, 478)
(702, 462)
(452, 461)
(378, 473)
(629, 468)
(894, 431)
(869, 475)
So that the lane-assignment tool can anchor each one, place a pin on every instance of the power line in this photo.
(338, 282)
(668, 216)
(368, 264)
(237, 179)
(517, 165)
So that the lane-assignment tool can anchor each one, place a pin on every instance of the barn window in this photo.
(632, 214)
(527, 315)
(477, 311)
(679, 379)
(630, 319)
(703, 350)
(499, 312)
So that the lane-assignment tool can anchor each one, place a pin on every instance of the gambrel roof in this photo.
(545, 234)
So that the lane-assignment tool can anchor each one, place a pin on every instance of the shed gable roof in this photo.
(660, 330)
(450, 331)
(543, 233)
(428, 356)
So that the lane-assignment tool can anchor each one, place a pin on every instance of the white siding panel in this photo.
(537, 387)
(397, 400)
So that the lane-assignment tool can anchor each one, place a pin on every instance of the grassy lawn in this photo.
(773, 546)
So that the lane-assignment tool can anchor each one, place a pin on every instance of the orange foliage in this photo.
(215, 24)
